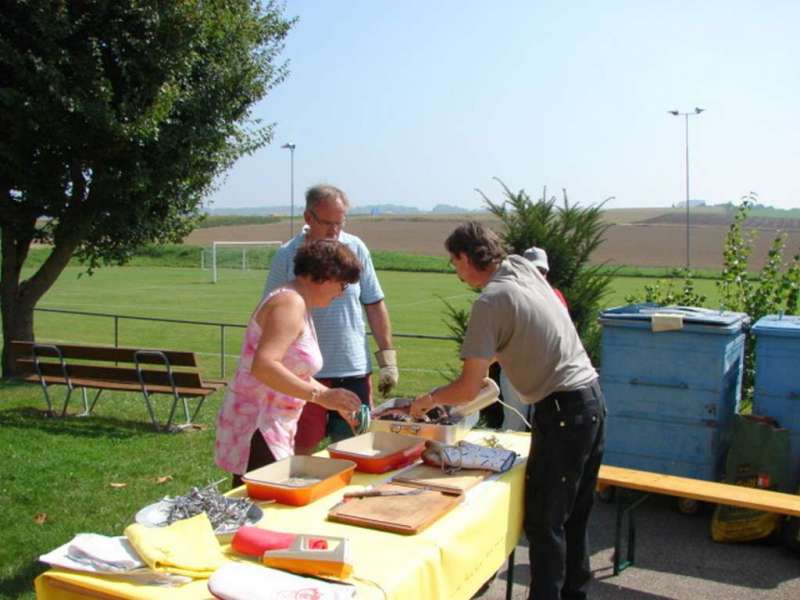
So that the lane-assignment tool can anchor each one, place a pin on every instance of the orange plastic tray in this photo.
(269, 482)
(379, 451)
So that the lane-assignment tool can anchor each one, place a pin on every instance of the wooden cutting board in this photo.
(434, 477)
(400, 514)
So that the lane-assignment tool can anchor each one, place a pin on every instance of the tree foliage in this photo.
(117, 116)
(775, 289)
(569, 234)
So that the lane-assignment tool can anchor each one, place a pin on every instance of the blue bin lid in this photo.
(778, 325)
(694, 317)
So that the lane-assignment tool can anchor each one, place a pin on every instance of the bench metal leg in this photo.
(510, 575)
(87, 408)
(47, 397)
(150, 410)
(626, 509)
(94, 402)
(66, 401)
(186, 410)
(197, 409)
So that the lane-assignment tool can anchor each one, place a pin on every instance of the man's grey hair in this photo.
(320, 193)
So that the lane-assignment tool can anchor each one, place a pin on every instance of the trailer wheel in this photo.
(605, 493)
(688, 506)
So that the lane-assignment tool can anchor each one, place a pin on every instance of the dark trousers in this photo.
(260, 456)
(561, 476)
(338, 429)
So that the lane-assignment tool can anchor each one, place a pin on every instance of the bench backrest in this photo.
(49, 364)
(102, 353)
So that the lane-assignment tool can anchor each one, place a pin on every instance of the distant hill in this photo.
(384, 209)
(368, 209)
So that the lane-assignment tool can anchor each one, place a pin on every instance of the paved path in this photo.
(675, 558)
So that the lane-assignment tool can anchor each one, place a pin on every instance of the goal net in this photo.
(237, 255)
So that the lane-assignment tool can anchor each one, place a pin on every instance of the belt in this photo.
(558, 401)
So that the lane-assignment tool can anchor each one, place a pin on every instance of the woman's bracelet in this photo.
(315, 393)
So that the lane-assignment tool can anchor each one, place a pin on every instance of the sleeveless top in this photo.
(252, 405)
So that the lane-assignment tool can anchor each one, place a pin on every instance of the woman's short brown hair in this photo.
(327, 260)
(478, 243)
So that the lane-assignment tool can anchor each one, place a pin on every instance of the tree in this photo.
(775, 289)
(569, 234)
(116, 117)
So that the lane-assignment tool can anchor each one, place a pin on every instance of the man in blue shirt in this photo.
(340, 326)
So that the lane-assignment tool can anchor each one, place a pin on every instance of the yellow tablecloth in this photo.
(450, 559)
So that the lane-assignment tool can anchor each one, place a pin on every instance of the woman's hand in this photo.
(345, 402)
(421, 405)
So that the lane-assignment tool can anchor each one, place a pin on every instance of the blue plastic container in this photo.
(671, 394)
(777, 385)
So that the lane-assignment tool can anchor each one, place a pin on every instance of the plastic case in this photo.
(777, 390)
(379, 451)
(269, 482)
(671, 394)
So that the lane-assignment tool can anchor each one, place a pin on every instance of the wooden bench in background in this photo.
(105, 368)
(648, 483)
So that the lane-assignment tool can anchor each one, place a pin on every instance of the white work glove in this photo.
(387, 361)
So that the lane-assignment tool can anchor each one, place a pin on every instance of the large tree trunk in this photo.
(17, 325)
(19, 298)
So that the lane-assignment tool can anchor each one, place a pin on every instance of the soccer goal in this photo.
(237, 255)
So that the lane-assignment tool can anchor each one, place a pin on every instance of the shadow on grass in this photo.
(92, 426)
(21, 582)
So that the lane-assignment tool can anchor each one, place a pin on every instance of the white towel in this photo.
(107, 556)
(113, 554)
(248, 581)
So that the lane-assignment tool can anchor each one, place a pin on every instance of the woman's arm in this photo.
(282, 320)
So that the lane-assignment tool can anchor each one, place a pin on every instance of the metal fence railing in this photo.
(222, 327)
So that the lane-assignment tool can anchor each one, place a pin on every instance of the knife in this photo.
(381, 493)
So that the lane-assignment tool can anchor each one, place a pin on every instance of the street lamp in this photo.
(291, 148)
(686, 116)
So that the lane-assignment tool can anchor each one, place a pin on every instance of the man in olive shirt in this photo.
(520, 322)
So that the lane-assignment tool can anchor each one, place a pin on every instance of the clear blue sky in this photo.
(420, 102)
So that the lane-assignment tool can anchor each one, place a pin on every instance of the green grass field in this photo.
(63, 468)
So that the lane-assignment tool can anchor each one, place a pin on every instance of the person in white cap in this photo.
(538, 258)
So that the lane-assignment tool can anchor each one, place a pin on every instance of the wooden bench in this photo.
(683, 487)
(104, 368)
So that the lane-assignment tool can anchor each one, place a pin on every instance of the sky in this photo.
(421, 102)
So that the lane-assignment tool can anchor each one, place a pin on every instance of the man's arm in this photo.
(462, 390)
(379, 323)
(381, 326)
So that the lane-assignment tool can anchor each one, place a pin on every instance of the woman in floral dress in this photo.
(257, 422)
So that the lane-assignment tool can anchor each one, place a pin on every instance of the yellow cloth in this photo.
(451, 559)
(187, 547)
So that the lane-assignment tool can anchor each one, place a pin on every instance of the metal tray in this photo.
(448, 434)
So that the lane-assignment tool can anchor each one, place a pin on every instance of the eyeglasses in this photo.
(326, 223)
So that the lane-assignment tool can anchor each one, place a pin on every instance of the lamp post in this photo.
(686, 116)
(291, 148)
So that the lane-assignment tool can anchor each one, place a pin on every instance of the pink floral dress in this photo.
(250, 404)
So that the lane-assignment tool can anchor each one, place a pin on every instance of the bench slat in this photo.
(95, 384)
(105, 353)
(116, 374)
(697, 489)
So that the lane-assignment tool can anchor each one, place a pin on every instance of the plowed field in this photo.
(629, 241)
